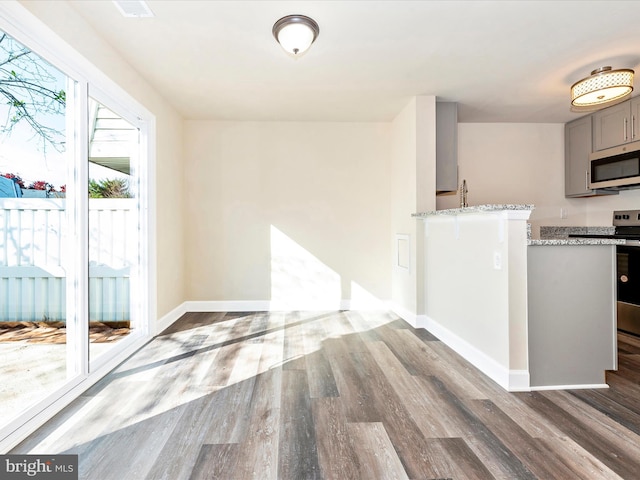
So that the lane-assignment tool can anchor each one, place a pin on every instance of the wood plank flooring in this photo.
(336, 395)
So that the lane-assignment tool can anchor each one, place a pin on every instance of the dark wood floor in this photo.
(339, 395)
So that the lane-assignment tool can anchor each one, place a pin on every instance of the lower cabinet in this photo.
(571, 320)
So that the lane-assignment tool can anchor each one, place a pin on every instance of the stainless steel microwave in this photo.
(616, 168)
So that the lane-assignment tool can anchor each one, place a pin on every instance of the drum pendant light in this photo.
(295, 33)
(603, 86)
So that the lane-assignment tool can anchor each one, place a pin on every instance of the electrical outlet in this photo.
(497, 260)
(563, 213)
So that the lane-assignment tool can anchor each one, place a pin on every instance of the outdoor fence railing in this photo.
(33, 251)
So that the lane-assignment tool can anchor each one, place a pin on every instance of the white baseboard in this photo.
(519, 381)
(279, 306)
(265, 306)
(569, 387)
(421, 321)
(408, 316)
(169, 318)
(510, 380)
(228, 306)
(261, 306)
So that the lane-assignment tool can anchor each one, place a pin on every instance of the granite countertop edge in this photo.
(559, 235)
(575, 241)
(475, 209)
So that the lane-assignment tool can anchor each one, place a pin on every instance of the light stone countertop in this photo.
(474, 209)
(575, 241)
(552, 235)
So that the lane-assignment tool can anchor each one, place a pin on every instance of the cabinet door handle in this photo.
(586, 180)
(633, 127)
(625, 130)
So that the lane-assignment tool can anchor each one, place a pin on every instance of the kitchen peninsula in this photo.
(531, 314)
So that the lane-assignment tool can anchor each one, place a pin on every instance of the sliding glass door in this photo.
(74, 266)
(34, 240)
(114, 229)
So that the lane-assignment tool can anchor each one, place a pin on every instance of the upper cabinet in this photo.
(616, 125)
(606, 128)
(446, 147)
(577, 147)
(635, 118)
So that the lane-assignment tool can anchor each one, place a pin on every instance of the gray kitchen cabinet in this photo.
(616, 125)
(446, 147)
(635, 118)
(571, 317)
(577, 147)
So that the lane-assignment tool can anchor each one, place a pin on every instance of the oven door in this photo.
(628, 271)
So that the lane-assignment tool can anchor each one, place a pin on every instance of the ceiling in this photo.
(502, 61)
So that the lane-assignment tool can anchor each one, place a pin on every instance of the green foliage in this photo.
(109, 188)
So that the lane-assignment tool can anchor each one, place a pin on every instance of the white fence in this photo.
(33, 251)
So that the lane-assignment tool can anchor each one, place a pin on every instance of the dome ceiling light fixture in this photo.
(295, 33)
(602, 87)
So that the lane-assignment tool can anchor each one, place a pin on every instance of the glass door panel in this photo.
(113, 228)
(34, 263)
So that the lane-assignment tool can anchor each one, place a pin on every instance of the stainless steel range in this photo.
(627, 227)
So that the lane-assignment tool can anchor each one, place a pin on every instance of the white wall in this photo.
(403, 202)
(412, 190)
(516, 163)
(477, 309)
(524, 163)
(599, 208)
(465, 294)
(169, 170)
(296, 213)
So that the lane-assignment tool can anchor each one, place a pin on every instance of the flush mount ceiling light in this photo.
(603, 86)
(295, 33)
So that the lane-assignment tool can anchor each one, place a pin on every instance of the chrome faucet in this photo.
(463, 194)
